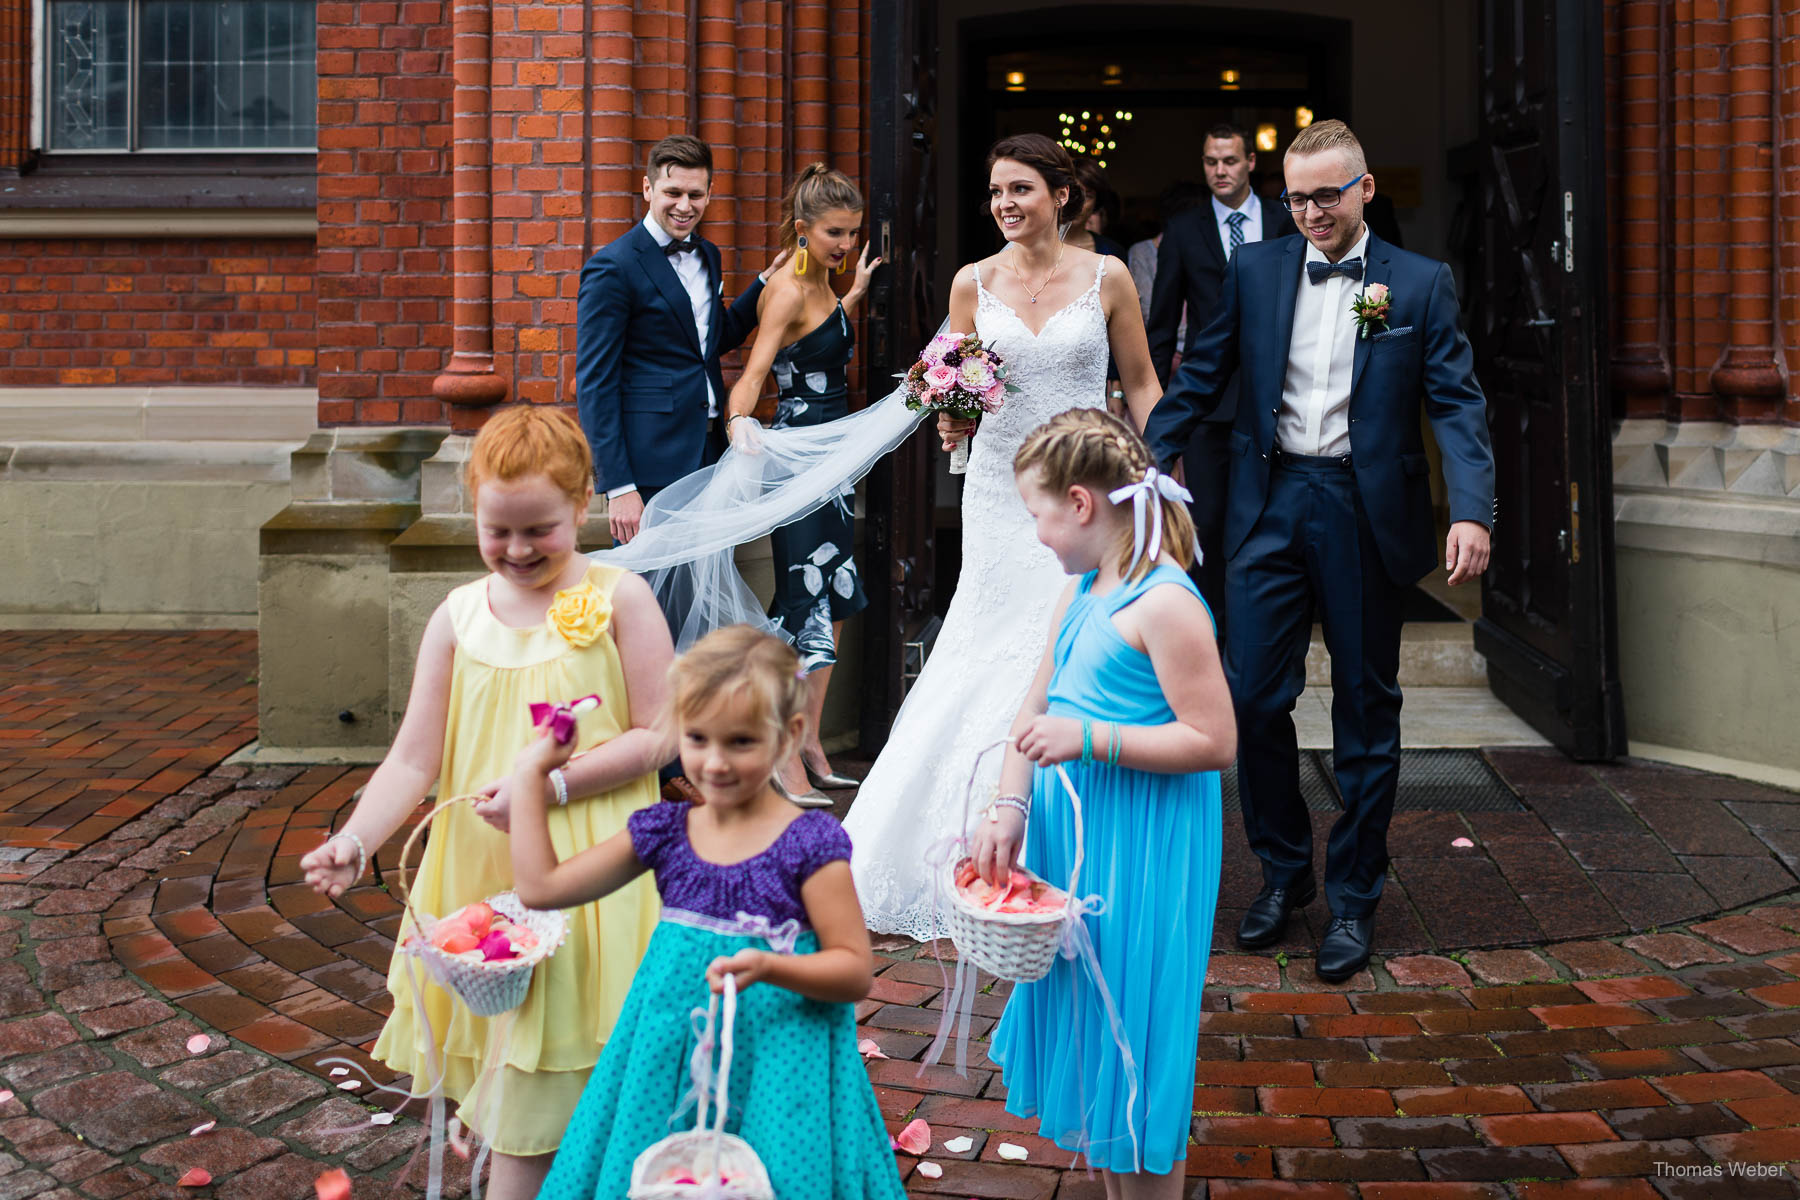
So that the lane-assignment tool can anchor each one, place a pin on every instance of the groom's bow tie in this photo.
(1319, 272)
(684, 245)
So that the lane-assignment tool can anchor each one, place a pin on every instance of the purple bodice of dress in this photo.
(766, 885)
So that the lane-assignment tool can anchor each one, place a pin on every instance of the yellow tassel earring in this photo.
(800, 257)
(843, 266)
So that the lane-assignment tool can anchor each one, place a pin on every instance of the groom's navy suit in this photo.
(1343, 537)
(641, 373)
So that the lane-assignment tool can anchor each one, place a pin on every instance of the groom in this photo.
(651, 325)
(1330, 514)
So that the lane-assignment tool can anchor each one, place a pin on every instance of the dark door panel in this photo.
(1547, 625)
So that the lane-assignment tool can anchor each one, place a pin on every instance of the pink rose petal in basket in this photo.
(915, 1138)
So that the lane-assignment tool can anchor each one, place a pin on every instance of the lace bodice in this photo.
(998, 625)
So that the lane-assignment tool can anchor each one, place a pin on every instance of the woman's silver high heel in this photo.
(812, 799)
(829, 781)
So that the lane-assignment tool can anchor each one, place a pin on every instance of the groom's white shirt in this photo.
(1315, 396)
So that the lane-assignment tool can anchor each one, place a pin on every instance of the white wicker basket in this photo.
(1016, 946)
(683, 1166)
(488, 988)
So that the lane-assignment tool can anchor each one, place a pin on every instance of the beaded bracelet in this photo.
(1015, 802)
(1115, 744)
(1087, 741)
(561, 786)
(362, 852)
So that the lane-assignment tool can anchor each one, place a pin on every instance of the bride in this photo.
(1052, 312)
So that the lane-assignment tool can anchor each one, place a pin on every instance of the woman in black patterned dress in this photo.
(806, 339)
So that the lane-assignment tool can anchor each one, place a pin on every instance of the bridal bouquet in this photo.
(960, 377)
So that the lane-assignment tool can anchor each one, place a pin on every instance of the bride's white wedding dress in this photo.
(993, 637)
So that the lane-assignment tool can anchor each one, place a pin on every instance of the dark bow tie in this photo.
(681, 247)
(1319, 272)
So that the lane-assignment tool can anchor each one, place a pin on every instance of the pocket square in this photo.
(1385, 334)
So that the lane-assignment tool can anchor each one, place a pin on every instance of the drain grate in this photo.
(1430, 781)
(1315, 787)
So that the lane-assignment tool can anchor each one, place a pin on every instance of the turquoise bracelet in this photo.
(1087, 741)
(1115, 745)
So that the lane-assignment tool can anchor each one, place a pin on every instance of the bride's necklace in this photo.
(1054, 268)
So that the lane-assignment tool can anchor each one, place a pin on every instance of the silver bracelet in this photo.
(362, 852)
(558, 782)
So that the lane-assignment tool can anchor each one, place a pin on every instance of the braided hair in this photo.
(1092, 448)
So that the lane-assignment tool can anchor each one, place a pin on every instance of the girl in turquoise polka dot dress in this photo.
(751, 886)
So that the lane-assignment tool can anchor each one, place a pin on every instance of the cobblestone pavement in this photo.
(149, 895)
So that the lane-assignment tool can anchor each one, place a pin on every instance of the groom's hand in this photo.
(1466, 551)
(625, 513)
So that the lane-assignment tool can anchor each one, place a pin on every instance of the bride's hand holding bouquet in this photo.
(959, 379)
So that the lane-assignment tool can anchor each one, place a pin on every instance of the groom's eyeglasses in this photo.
(1324, 198)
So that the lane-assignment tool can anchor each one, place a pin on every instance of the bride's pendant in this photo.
(1034, 299)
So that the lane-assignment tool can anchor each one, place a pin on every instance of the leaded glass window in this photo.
(129, 75)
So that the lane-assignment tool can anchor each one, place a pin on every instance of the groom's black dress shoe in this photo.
(1267, 917)
(1344, 950)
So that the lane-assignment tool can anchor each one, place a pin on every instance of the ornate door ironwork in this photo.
(1547, 625)
(904, 308)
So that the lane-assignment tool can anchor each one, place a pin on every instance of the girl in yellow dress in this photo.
(548, 625)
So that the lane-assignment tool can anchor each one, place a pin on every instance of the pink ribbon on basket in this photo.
(562, 717)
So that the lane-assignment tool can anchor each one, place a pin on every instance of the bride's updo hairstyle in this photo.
(1049, 160)
(817, 190)
(1091, 448)
(739, 662)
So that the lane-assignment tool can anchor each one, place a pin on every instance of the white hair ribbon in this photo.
(1145, 495)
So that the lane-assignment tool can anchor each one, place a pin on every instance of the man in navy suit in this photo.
(1330, 514)
(651, 325)
(1190, 275)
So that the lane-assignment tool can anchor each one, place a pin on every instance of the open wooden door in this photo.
(1548, 614)
(898, 550)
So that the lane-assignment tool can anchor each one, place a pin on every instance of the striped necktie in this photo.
(1236, 221)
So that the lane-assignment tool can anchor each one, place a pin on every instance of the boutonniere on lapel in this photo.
(1371, 309)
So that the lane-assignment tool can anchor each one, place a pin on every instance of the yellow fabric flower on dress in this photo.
(579, 614)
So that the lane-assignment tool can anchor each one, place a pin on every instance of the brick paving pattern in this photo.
(150, 895)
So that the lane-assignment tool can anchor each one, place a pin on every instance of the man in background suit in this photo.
(1190, 272)
(651, 326)
(1330, 513)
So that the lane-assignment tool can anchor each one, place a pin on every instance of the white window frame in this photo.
(39, 123)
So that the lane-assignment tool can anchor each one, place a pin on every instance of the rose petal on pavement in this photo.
(959, 1145)
(1462, 843)
(197, 1045)
(197, 1177)
(5, 1095)
(931, 1170)
(336, 1071)
(1012, 1153)
(915, 1138)
(382, 1119)
(869, 1049)
(349, 1085)
(203, 1127)
(333, 1185)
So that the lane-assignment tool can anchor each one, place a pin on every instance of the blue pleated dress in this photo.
(1152, 852)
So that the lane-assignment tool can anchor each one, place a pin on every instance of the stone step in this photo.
(1432, 654)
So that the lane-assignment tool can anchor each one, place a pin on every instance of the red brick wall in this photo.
(384, 232)
(1704, 139)
(15, 80)
(157, 311)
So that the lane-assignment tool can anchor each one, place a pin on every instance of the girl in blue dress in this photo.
(751, 886)
(1131, 697)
